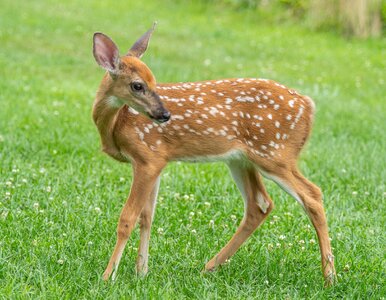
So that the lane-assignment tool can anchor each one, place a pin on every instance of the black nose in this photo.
(165, 116)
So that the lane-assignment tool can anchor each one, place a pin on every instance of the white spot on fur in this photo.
(245, 99)
(213, 111)
(177, 117)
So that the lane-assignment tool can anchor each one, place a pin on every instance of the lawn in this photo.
(60, 197)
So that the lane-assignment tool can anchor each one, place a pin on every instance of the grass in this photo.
(60, 197)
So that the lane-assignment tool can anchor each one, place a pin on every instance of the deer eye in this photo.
(137, 86)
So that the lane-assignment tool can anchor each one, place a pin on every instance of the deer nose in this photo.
(165, 116)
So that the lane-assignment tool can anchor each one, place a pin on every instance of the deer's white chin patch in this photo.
(115, 102)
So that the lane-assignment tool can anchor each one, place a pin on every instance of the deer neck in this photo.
(105, 112)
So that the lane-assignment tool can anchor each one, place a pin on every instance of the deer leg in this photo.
(310, 197)
(145, 222)
(257, 206)
(145, 177)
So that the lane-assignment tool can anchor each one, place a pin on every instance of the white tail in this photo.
(256, 126)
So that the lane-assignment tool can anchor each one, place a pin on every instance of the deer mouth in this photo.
(161, 118)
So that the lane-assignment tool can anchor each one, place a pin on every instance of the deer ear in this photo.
(105, 52)
(140, 46)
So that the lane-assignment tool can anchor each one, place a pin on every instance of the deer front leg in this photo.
(145, 222)
(145, 177)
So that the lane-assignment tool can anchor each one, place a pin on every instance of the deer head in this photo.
(132, 81)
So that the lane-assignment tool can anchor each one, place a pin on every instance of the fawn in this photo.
(256, 126)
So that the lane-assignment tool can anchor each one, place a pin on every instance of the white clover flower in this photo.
(207, 204)
(36, 205)
(191, 214)
(207, 62)
(42, 170)
(301, 242)
(177, 195)
(24, 180)
(34, 243)
(233, 217)
(4, 214)
(290, 244)
(194, 231)
(90, 243)
(48, 189)
(8, 183)
(60, 261)
(266, 282)
(97, 210)
(160, 230)
(354, 193)
(303, 248)
(312, 241)
(186, 197)
(270, 246)
(121, 179)
(282, 237)
(278, 245)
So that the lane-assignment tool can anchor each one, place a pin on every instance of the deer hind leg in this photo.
(145, 177)
(145, 222)
(310, 197)
(257, 206)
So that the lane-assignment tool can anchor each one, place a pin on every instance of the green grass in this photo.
(60, 197)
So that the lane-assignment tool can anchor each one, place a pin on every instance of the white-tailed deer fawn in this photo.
(256, 126)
